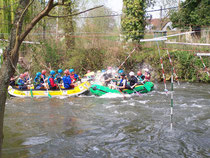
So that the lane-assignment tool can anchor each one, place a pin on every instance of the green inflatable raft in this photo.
(101, 90)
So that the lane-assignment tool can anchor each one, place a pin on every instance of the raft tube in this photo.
(80, 89)
(101, 90)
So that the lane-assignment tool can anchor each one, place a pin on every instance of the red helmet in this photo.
(88, 71)
(139, 73)
(44, 72)
(109, 68)
(66, 72)
(22, 76)
(26, 73)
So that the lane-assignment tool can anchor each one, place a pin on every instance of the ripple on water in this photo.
(36, 140)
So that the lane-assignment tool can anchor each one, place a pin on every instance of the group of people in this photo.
(53, 81)
(122, 81)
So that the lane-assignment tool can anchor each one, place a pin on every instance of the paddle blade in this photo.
(49, 95)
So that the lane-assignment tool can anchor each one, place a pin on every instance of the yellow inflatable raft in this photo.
(81, 88)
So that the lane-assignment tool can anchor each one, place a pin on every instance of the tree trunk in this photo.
(9, 62)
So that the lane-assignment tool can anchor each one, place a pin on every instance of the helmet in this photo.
(38, 74)
(103, 71)
(109, 71)
(139, 73)
(109, 67)
(52, 72)
(66, 72)
(26, 73)
(88, 71)
(146, 70)
(120, 71)
(71, 70)
(60, 71)
(21, 75)
(131, 73)
(123, 74)
(44, 72)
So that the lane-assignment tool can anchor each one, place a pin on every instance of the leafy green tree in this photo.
(133, 19)
(194, 13)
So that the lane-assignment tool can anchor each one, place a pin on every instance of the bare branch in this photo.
(51, 16)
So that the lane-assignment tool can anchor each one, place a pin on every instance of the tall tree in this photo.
(133, 19)
(17, 36)
(193, 13)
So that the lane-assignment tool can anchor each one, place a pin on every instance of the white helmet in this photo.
(109, 71)
(131, 73)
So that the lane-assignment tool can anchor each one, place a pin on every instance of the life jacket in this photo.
(48, 80)
(43, 78)
(121, 82)
(66, 81)
(37, 80)
(20, 82)
(147, 77)
(58, 77)
(72, 76)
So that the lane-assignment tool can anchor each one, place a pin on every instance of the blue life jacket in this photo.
(66, 81)
(20, 82)
(58, 77)
(121, 82)
(37, 80)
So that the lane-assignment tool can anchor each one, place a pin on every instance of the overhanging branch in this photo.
(51, 16)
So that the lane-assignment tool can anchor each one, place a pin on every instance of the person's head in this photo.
(60, 71)
(103, 71)
(120, 71)
(52, 72)
(123, 75)
(71, 71)
(38, 74)
(44, 72)
(22, 76)
(139, 73)
(66, 72)
(131, 73)
(109, 72)
(88, 71)
(109, 68)
(26, 74)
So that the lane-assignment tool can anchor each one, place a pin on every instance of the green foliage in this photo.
(192, 13)
(133, 20)
(86, 59)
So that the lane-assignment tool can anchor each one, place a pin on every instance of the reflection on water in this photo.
(89, 126)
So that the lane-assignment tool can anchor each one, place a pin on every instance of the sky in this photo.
(116, 6)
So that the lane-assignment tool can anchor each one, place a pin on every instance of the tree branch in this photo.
(51, 16)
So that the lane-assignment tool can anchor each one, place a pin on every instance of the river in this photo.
(110, 126)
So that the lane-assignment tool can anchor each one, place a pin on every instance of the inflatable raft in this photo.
(81, 88)
(101, 90)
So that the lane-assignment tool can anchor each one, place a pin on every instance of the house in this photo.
(158, 24)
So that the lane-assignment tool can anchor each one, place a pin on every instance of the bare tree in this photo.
(17, 36)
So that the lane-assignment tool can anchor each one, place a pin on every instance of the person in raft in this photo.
(140, 77)
(21, 82)
(51, 81)
(67, 80)
(58, 76)
(123, 83)
(27, 78)
(133, 80)
(147, 76)
(74, 77)
(37, 81)
(43, 76)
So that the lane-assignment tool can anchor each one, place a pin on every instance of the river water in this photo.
(110, 126)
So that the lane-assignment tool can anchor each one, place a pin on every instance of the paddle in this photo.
(31, 92)
(47, 91)
(60, 89)
(137, 92)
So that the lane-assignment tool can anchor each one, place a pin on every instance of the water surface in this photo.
(110, 126)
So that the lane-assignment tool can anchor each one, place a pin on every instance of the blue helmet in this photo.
(52, 72)
(60, 71)
(120, 71)
(103, 71)
(38, 74)
(71, 70)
